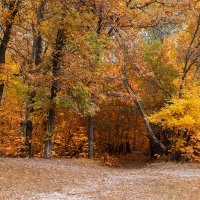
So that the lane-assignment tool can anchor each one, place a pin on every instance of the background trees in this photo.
(66, 61)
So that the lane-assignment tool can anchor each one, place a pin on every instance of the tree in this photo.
(77, 68)
(9, 12)
(56, 59)
(35, 59)
(179, 115)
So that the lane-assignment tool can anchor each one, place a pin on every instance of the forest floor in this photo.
(82, 179)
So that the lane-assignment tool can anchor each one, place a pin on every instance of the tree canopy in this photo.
(111, 75)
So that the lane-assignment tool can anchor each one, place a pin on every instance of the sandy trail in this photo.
(83, 179)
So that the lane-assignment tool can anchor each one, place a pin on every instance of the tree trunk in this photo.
(1, 91)
(90, 118)
(90, 137)
(48, 142)
(29, 128)
(27, 124)
(131, 90)
(150, 131)
(56, 59)
(13, 8)
(47, 149)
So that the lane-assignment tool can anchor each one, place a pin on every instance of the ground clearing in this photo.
(83, 179)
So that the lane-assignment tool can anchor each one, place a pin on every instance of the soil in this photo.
(83, 179)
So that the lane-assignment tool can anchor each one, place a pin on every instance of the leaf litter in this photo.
(83, 179)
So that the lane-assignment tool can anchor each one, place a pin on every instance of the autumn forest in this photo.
(93, 78)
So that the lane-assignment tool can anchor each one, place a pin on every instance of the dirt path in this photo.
(84, 180)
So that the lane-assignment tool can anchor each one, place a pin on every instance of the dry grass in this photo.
(84, 179)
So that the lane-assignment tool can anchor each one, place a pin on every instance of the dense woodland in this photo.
(100, 78)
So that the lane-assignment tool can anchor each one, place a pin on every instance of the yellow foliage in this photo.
(182, 117)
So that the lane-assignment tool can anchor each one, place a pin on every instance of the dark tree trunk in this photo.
(128, 150)
(38, 40)
(90, 137)
(38, 49)
(1, 91)
(13, 8)
(29, 128)
(27, 124)
(56, 59)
